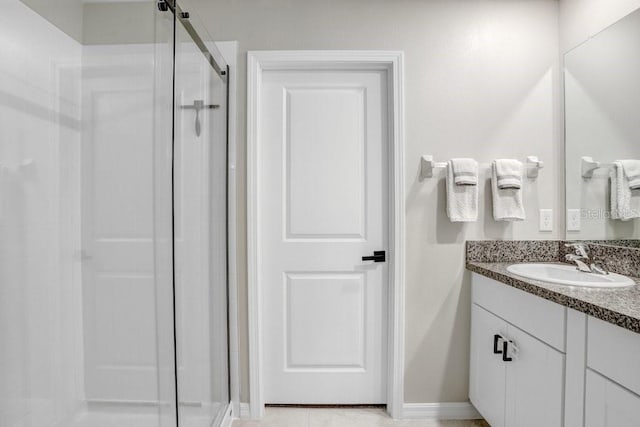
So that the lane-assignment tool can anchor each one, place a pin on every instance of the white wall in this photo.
(482, 81)
(40, 312)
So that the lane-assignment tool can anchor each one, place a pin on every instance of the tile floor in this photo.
(343, 417)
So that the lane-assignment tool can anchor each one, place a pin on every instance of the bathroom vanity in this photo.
(545, 354)
(517, 355)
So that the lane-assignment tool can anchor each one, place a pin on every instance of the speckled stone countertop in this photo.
(618, 306)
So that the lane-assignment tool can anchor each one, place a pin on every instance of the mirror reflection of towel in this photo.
(632, 173)
(625, 202)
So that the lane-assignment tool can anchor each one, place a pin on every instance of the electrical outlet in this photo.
(573, 219)
(546, 220)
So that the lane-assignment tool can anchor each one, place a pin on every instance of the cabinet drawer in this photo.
(613, 351)
(539, 317)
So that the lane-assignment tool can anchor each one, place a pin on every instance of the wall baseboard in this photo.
(440, 411)
(416, 411)
(245, 411)
(227, 420)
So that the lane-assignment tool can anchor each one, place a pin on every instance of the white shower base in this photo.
(103, 415)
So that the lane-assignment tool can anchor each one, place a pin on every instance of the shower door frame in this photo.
(228, 75)
(231, 50)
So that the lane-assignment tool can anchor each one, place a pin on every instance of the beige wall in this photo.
(64, 14)
(581, 19)
(101, 22)
(482, 81)
(119, 23)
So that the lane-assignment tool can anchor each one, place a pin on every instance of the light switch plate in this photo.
(546, 220)
(573, 219)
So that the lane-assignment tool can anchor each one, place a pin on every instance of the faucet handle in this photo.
(580, 248)
(600, 269)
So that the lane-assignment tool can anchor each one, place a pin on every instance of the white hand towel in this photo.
(462, 200)
(465, 171)
(507, 202)
(509, 172)
(632, 172)
(625, 202)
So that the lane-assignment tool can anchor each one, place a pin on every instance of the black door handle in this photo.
(505, 348)
(496, 339)
(378, 256)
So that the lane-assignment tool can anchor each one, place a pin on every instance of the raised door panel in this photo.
(609, 405)
(325, 322)
(487, 370)
(535, 378)
(325, 163)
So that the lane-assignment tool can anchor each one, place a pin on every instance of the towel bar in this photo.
(589, 166)
(26, 165)
(427, 165)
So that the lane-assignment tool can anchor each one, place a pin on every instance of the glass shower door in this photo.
(200, 171)
(113, 248)
(126, 221)
(86, 272)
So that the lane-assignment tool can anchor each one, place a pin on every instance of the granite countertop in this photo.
(618, 306)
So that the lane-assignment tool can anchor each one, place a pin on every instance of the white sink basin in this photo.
(569, 275)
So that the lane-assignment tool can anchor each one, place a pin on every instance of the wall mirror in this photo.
(602, 114)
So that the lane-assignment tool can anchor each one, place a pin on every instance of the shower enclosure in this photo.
(113, 216)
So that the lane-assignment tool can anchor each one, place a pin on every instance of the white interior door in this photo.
(323, 206)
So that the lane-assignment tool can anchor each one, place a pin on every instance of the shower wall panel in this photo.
(120, 327)
(40, 293)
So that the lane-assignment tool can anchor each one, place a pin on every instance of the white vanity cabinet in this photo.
(612, 389)
(608, 404)
(517, 356)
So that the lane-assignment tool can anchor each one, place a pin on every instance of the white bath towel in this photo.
(462, 200)
(625, 202)
(465, 171)
(632, 172)
(509, 172)
(507, 202)
(613, 185)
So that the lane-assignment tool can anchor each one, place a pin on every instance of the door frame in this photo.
(393, 63)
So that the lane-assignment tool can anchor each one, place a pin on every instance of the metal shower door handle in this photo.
(199, 105)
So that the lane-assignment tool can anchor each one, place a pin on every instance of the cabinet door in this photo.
(534, 392)
(487, 370)
(609, 405)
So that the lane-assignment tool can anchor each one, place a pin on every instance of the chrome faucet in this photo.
(580, 257)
